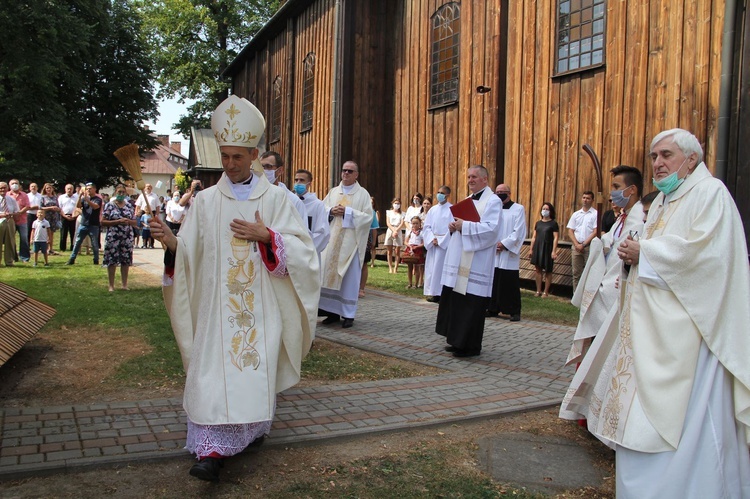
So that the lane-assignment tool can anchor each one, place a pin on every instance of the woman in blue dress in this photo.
(119, 218)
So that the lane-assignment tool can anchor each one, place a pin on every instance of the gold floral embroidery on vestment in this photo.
(621, 383)
(241, 303)
(231, 131)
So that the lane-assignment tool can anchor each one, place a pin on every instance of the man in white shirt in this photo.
(506, 286)
(147, 198)
(68, 203)
(581, 231)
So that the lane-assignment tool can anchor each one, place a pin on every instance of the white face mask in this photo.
(15, 187)
(545, 213)
(396, 206)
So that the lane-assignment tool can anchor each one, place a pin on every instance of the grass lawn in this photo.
(552, 309)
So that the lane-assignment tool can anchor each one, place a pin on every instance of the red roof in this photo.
(163, 160)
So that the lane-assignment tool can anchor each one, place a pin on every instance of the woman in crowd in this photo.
(413, 211)
(426, 205)
(175, 213)
(119, 218)
(394, 240)
(51, 210)
(544, 248)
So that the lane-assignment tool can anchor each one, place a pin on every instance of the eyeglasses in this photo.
(348, 171)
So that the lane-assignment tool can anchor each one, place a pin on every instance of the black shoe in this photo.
(256, 444)
(451, 348)
(331, 319)
(490, 314)
(96, 262)
(347, 323)
(515, 317)
(207, 469)
(465, 353)
(70, 262)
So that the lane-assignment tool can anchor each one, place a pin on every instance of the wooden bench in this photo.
(562, 276)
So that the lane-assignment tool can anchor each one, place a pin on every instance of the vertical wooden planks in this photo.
(710, 136)
(616, 46)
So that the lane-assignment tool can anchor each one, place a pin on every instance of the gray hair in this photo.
(686, 141)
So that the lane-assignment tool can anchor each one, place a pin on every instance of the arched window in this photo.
(308, 91)
(580, 35)
(445, 37)
(276, 110)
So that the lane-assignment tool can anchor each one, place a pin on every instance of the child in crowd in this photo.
(414, 253)
(148, 241)
(41, 234)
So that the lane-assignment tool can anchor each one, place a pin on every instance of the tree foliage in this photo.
(75, 84)
(193, 42)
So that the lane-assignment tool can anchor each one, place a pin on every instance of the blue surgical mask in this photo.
(618, 199)
(300, 189)
(441, 197)
(671, 182)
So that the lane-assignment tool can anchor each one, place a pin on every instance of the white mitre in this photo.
(236, 122)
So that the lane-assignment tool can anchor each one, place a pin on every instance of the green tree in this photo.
(193, 42)
(75, 84)
(181, 180)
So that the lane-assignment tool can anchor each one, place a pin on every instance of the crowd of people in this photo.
(661, 344)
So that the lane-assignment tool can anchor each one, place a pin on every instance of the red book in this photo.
(465, 210)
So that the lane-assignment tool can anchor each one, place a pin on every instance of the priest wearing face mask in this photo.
(273, 167)
(597, 296)
(677, 402)
(317, 215)
(241, 289)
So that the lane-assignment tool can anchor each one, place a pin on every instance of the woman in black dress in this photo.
(544, 248)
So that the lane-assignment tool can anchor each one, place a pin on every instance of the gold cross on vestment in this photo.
(232, 112)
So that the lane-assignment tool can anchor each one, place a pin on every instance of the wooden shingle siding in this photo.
(20, 319)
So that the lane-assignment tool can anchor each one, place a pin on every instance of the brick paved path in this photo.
(520, 368)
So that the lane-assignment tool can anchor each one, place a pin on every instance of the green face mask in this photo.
(671, 182)
(120, 198)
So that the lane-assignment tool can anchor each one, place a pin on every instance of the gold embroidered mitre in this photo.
(236, 122)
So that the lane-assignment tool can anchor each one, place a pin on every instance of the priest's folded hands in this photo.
(629, 251)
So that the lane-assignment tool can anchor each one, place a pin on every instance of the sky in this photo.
(169, 113)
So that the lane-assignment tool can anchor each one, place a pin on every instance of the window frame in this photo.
(558, 28)
(308, 97)
(443, 98)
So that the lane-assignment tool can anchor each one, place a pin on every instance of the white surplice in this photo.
(242, 329)
(670, 387)
(596, 293)
(470, 258)
(436, 227)
(511, 232)
(317, 221)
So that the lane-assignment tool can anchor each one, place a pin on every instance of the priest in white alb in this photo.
(241, 288)
(468, 271)
(669, 389)
(597, 295)
(506, 285)
(317, 214)
(350, 214)
(436, 239)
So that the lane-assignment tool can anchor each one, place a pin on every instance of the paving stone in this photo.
(62, 455)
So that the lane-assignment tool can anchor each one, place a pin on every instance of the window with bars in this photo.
(308, 94)
(580, 35)
(445, 37)
(276, 110)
